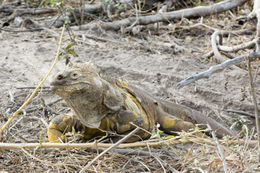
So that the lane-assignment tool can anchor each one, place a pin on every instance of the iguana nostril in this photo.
(60, 77)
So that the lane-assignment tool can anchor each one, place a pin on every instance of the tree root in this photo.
(222, 33)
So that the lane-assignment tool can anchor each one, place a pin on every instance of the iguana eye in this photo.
(74, 75)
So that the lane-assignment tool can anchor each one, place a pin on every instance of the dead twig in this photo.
(127, 151)
(217, 68)
(111, 147)
(39, 86)
(159, 161)
(133, 24)
(210, 71)
(32, 88)
(240, 112)
(96, 38)
(257, 12)
(88, 11)
(32, 109)
(48, 163)
(220, 150)
(236, 48)
(255, 103)
(142, 163)
(21, 30)
(215, 46)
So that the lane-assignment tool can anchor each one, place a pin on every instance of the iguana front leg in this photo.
(63, 124)
(59, 126)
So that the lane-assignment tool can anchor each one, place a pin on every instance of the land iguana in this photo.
(102, 104)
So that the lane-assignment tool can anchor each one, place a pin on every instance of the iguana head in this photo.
(78, 78)
(82, 88)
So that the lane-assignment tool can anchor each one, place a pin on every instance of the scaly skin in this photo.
(103, 105)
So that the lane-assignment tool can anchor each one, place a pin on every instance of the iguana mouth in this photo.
(57, 85)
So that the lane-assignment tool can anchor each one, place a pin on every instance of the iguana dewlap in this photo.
(103, 105)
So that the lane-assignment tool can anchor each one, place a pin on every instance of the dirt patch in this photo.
(26, 58)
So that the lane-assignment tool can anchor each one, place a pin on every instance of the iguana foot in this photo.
(58, 127)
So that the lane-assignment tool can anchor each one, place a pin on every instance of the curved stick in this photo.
(217, 47)
(210, 71)
(216, 68)
(238, 47)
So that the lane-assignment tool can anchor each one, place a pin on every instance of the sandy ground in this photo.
(26, 57)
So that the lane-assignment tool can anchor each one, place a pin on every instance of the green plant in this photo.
(53, 3)
(67, 52)
(157, 133)
(240, 123)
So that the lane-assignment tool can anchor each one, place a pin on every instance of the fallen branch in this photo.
(30, 26)
(154, 143)
(210, 71)
(167, 16)
(217, 68)
(33, 11)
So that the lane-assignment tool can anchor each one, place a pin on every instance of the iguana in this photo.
(101, 105)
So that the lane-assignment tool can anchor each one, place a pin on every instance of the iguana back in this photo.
(160, 111)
